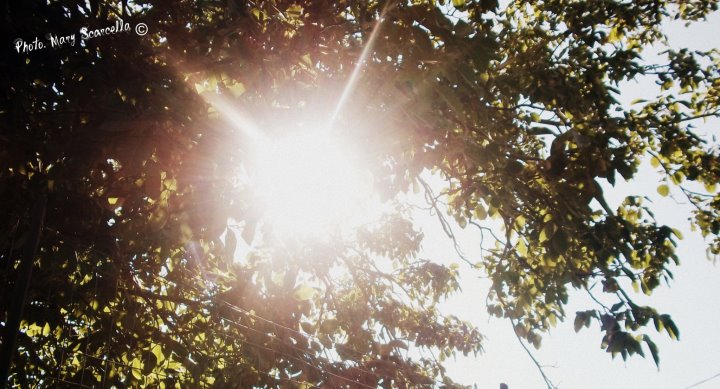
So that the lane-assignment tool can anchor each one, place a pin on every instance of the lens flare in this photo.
(312, 185)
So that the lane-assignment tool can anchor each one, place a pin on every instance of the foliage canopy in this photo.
(516, 107)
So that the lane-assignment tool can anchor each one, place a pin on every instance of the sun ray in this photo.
(235, 116)
(355, 75)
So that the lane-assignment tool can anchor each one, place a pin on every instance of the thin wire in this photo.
(292, 356)
(695, 385)
(69, 382)
(237, 309)
(206, 305)
(86, 355)
(89, 328)
(110, 340)
(285, 355)
(306, 336)
(159, 374)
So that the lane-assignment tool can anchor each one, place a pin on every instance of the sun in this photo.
(312, 184)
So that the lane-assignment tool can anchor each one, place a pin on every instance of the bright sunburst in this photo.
(311, 184)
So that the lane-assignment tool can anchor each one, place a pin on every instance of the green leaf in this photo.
(653, 350)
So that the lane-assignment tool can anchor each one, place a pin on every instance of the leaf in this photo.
(248, 231)
(294, 11)
(579, 321)
(157, 351)
(677, 233)
(46, 329)
(458, 3)
(307, 327)
(547, 232)
(522, 248)
(329, 326)
(670, 327)
(304, 292)
(136, 365)
(237, 89)
(307, 60)
(480, 212)
(230, 244)
(663, 190)
(653, 350)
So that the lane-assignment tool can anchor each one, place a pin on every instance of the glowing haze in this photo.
(309, 180)
(311, 184)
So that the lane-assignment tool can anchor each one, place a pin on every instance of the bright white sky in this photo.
(576, 360)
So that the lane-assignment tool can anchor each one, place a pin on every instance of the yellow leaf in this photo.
(237, 90)
(615, 35)
(34, 330)
(175, 365)
(547, 232)
(480, 212)
(294, 11)
(307, 60)
(522, 248)
(137, 366)
(304, 292)
(157, 351)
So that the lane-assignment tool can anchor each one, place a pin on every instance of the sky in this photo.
(577, 360)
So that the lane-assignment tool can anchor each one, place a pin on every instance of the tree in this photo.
(515, 107)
